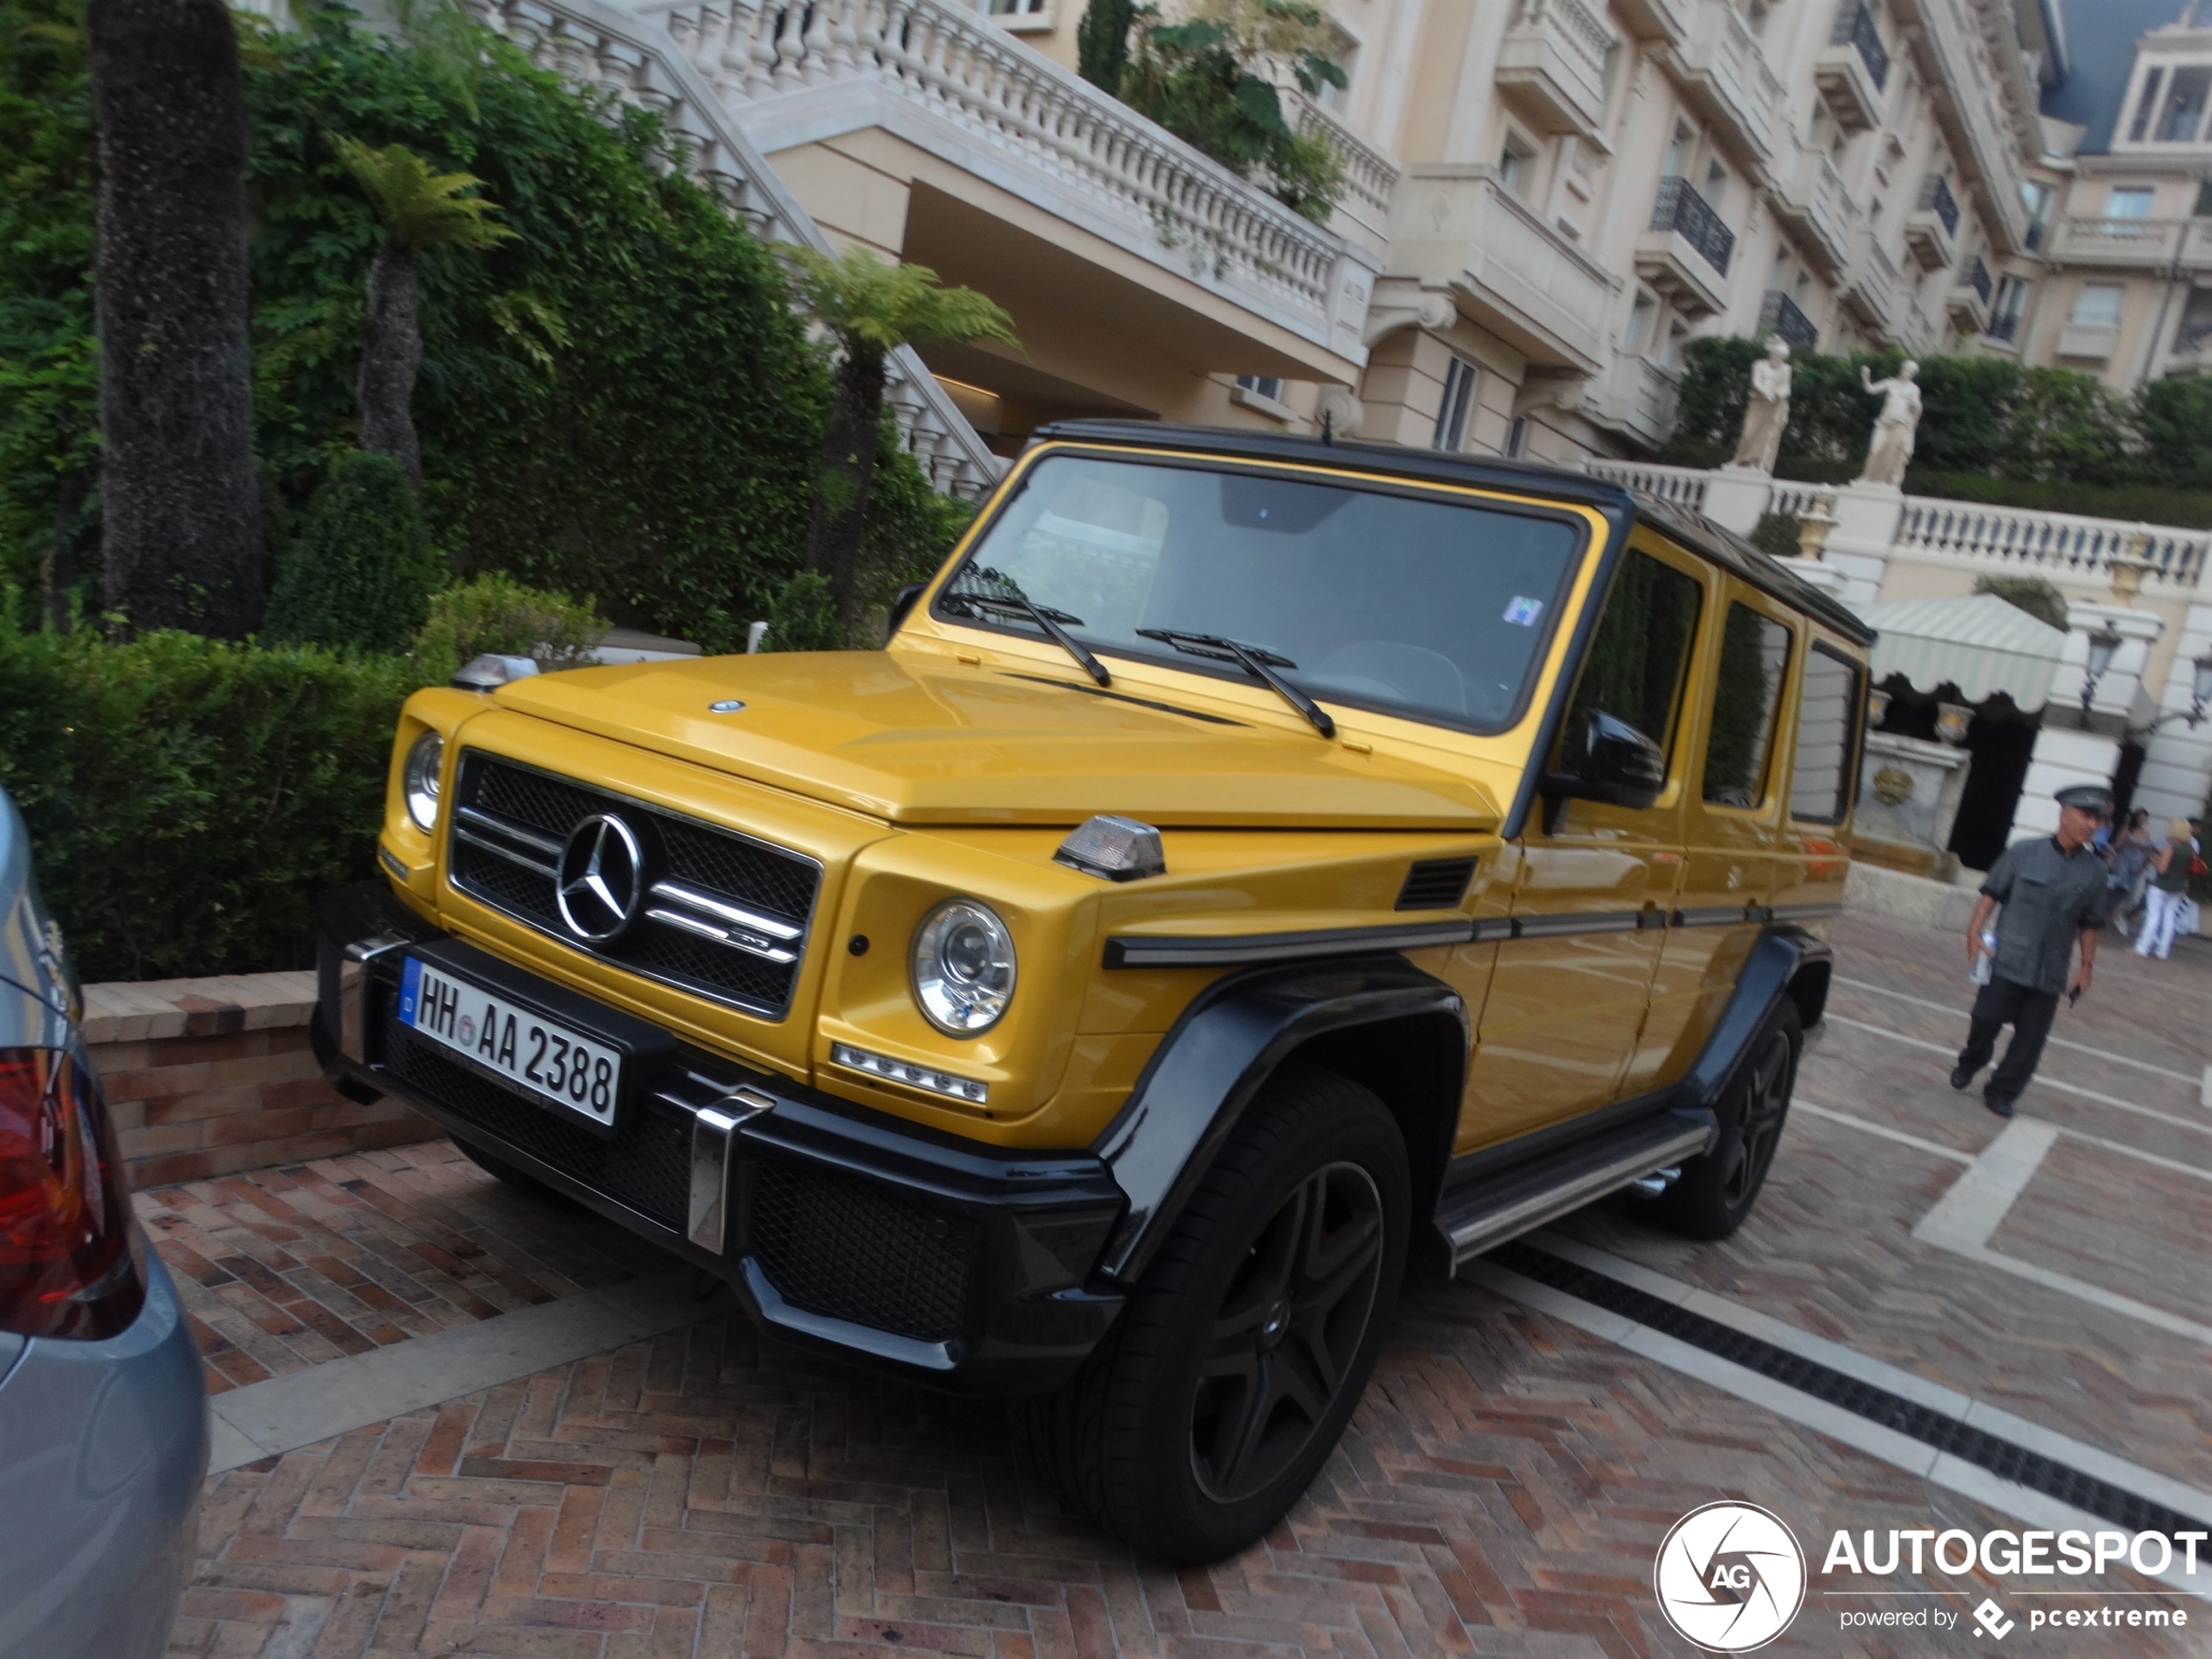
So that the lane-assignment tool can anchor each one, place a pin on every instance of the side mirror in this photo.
(1604, 759)
(901, 602)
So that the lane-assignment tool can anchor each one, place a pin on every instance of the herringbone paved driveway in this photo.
(1502, 1490)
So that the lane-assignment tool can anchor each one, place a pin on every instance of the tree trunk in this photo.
(180, 537)
(391, 355)
(848, 466)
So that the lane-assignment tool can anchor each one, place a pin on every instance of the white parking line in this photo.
(284, 1414)
(2114, 1101)
(1830, 1115)
(2056, 1042)
(1974, 1208)
(1900, 1451)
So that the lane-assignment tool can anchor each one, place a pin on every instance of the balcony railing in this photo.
(1683, 485)
(1976, 276)
(1936, 197)
(1779, 315)
(953, 63)
(1688, 215)
(1854, 28)
(2057, 544)
(1370, 176)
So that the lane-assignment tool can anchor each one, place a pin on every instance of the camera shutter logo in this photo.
(1729, 1577)
(601, 885)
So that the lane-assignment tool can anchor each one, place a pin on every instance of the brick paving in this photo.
(1502, 1489)
(1831, 1249)
(284, 1268)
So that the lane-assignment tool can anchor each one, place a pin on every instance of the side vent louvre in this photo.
(1436, 884)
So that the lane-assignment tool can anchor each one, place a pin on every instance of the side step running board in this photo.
(1489, 1212)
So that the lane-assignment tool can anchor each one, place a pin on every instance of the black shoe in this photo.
(1998, 1104)
(1961, 1076)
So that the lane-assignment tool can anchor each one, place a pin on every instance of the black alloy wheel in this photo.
(1768, 1077)
(1287, 1334)
(1717, 1192)
(1246, 1345)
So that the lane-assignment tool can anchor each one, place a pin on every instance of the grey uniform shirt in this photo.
(2048, 898)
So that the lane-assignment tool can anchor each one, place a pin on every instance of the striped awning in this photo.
(1980, 644)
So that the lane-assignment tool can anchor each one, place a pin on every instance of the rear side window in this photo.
(1637, 658)
(1755, 659)
(1821, 785)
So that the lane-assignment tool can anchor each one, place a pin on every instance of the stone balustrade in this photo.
(634, 59)
(2058, 545)
(1684, 486)
(956, 64)
(1370, 176)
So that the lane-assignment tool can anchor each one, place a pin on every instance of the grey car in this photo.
(102, 1411)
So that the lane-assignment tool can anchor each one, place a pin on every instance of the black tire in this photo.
(1718, 1191)
(1278, 1282)
(492, 1164)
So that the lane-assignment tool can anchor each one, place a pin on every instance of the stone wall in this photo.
(206, 1077)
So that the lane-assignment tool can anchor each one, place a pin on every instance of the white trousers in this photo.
(2162, 910)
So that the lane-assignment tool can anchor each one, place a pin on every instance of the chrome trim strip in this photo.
(1495, 1227)
(551, 871)
(1566, 922)
(1712, 916)
(530, 839)
(774, 953)
(722, 910)
(1803, 912)
(1184, 951)
(1492, 927)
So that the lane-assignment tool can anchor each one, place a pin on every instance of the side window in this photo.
(1639, 655)
(1755, 659)
(1821, 785)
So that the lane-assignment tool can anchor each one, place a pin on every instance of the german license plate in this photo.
(551, 1062)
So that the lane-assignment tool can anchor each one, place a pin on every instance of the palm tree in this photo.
(871, 309)
(419, 209)
(180, 531)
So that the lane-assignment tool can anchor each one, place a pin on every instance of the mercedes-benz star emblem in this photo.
(602, 880)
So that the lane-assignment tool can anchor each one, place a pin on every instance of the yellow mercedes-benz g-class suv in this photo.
(1253, 864)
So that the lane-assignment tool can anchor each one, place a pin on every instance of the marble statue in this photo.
(1891, 448)
(1766, 411)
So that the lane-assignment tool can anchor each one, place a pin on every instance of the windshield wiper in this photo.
(1256, 660)
(1048, 619)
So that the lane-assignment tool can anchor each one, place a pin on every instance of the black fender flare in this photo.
(1786, 961)
(1224, 1047)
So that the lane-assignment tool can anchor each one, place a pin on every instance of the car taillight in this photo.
(66, 1265)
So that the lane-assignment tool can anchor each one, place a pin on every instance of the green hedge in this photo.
(2150, 503)
(189, 799)
(618, 402)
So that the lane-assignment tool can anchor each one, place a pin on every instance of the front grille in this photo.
(852, 1251)
(529, 811)
(647, 1165)
(1436, 884)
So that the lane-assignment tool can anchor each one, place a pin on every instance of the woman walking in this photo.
(2133, 850)
(2168, 890)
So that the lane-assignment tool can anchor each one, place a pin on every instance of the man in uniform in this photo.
(2053, 892)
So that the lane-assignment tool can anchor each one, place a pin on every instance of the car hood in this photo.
(915, 740)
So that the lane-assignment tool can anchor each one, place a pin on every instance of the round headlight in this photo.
(418, 779)
(963, 968)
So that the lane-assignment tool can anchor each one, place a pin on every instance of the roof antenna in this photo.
(1328, 426)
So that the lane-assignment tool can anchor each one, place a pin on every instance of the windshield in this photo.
(1400, 602)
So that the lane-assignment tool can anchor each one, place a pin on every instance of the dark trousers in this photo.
(2029, 1012)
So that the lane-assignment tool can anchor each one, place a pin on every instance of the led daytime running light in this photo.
(899, 1071)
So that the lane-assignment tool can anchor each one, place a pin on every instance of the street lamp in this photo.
(2104, 646)
(2200, 695)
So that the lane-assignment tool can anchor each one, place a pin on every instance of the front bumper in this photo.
(949, 1263)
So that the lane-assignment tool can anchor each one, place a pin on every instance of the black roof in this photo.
(1694, 531)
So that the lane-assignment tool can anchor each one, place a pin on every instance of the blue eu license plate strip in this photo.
(547, 1061)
